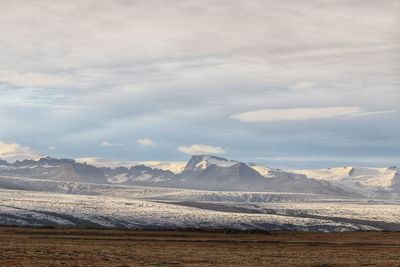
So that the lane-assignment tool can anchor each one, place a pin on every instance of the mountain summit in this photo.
(201, 162)
(215, 173)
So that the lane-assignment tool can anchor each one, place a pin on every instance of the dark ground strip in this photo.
(43, 247)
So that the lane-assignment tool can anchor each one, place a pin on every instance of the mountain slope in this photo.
(53, 169)
(214, 173)
(371, 182)
(138, 175)
(282, 181)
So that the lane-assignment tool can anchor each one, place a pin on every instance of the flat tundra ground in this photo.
(90, 247)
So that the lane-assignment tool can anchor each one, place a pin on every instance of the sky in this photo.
(289, 84)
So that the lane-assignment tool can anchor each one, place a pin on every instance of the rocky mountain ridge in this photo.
(206, 172)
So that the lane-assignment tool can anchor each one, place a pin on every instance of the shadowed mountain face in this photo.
(201, 172)
(214, 173)
(138, 175)
(54, 169)
(396, 182)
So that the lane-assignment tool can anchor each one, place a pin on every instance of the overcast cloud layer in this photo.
(282, 83)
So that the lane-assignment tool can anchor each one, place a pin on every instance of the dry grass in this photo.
(82, 247)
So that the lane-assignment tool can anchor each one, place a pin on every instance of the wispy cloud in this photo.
(110, 144)
(371, 113)
(146, 142)
(198, 149)
(178, 72)
(33, 79)
(302, 114)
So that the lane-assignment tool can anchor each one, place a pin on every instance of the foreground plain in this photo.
(91, 247)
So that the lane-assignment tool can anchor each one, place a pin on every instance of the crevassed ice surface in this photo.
(43, 209)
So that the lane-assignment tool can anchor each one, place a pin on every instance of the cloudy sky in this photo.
(289, 83)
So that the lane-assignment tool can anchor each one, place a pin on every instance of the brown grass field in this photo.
(91, 247)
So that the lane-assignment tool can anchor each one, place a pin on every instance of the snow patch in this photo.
(210, 160)
(264, 171)
(117, 179)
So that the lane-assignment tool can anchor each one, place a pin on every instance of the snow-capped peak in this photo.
(201, 162)
(371, 177)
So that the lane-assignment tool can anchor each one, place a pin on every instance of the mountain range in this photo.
(206, 172)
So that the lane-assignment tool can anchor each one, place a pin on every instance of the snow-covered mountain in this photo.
(62, 192)
(283, 181)
(138, 175)
(53, 169)
(215, 173)
(201, 162)
(371, 182)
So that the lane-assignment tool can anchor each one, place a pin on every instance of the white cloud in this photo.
(12, 152)
(51, 148)
(145, 142)
(304, 85)
(302, 114)
(370, 113)
(109, 144)
(198, 149)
